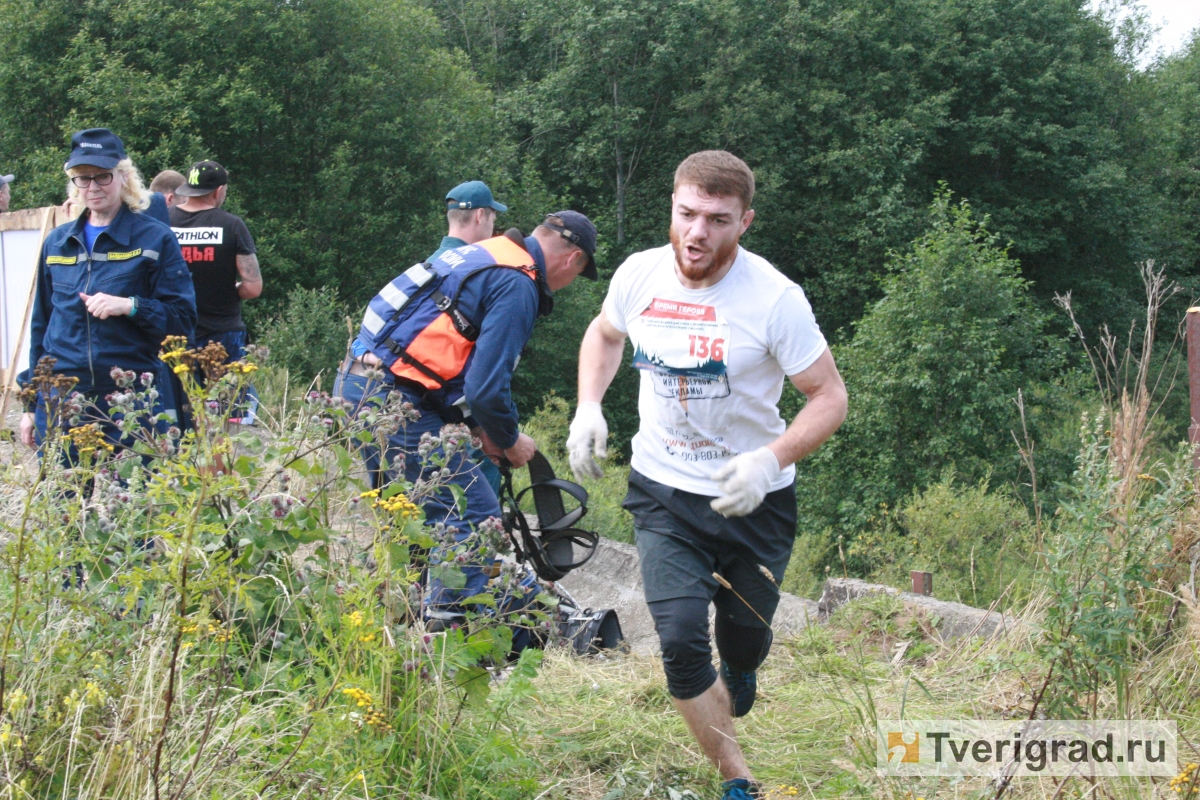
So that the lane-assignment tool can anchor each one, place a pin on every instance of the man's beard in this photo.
(718, 259)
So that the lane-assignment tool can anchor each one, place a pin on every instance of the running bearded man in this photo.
(715, 330)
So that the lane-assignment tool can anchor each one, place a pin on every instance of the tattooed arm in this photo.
(250, 286)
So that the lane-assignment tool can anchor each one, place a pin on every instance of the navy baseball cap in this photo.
(579, 231)
(97, 147)
(203, 177)
(473, 194)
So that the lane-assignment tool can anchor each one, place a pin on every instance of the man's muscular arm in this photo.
(599, 360)
(745, 479)
(824, 413)
(251, 284)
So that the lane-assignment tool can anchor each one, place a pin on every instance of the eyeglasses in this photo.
(101, 179)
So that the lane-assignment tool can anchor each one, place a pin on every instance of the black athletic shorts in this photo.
(681, 542)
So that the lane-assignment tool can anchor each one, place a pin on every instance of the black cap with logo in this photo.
(204, 177)
(579, 231)
(95, 147)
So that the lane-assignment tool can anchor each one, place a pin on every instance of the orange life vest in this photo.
(414, 324)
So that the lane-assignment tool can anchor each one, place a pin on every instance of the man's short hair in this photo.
(718, 173)
(167, 181)
(462, 216)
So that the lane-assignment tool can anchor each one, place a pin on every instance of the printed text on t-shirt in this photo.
(684, 347)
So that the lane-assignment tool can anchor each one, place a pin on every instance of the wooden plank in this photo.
(31, 219)
(10, 378)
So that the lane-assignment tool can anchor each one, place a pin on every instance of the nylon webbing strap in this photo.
(399, 351)
(449, 307)
(551, 550)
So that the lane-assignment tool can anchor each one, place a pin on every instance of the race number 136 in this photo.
(704, 347)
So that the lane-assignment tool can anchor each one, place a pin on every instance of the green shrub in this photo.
(933, 372)
(977, 542)
(804, 571)
(309, 336)
(1105, 556)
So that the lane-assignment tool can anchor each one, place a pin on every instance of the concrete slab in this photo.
(956, 620)
(613, 579)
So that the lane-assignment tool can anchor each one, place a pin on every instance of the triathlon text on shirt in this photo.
(190, 240)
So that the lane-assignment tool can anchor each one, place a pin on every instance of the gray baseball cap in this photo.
(7, 179)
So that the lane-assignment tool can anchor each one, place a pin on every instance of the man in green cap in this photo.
(471, 217)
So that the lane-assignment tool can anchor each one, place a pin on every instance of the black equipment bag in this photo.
(590, 632)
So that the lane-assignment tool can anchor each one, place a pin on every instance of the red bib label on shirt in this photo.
(684, 347)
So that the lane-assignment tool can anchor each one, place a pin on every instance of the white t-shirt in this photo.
(713, 362)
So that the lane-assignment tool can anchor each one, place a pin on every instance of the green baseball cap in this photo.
(473, 194)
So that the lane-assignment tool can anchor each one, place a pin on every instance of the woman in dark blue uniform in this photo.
(110, 286)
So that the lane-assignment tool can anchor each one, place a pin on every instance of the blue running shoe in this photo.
(743, 686)
(740, 789)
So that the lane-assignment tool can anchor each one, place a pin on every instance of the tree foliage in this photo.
(1175, 165)
(851, 113)
(332, 117)
(343, 122)
(933, 372)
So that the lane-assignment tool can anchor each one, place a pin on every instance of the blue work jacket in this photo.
(503, 304)
(135, 256)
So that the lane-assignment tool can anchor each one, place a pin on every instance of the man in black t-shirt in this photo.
(220, 253)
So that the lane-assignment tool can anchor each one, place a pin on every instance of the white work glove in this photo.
(589, 436)
(745, 481)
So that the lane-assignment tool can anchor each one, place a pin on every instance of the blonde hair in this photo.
(133, 193)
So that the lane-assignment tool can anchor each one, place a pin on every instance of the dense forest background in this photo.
(933, 173)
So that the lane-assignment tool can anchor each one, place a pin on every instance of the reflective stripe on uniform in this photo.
(372, 322)
(392, 295)
(418, 274)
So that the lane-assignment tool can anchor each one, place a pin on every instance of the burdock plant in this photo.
(230, 612)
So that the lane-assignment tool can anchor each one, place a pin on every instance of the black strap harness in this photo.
(551, 549)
